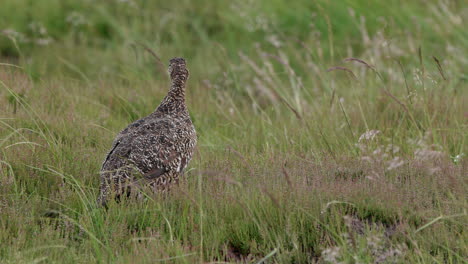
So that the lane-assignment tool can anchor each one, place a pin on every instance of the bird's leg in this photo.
(104, 193)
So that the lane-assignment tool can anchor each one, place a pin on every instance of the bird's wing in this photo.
(154, 173)
(121, 143)
(109, 154)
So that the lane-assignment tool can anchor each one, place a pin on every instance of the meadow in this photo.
(328, 131)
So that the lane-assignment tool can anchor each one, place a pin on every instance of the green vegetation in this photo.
(329, 131)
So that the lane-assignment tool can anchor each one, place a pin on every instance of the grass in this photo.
(329, 132)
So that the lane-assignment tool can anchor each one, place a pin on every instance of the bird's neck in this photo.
(177, 90)
(174, 102)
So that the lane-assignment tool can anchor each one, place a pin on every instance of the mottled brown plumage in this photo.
(154, 150)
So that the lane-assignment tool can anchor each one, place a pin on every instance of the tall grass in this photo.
(329, 132)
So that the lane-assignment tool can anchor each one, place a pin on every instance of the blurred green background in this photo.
(98, 36)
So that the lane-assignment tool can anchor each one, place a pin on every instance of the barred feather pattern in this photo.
(153, 151)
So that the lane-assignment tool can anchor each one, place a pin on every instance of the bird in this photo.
(152, 151)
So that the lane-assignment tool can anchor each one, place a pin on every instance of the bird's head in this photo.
(178, 69)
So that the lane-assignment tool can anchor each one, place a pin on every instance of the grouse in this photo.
(153, 151)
